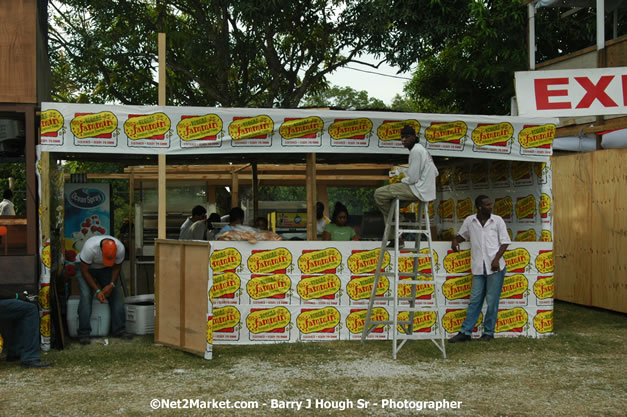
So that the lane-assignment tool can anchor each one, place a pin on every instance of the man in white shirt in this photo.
(195, 226)
(488, 241)
(101, 260)
(419, 180)
(6, 205)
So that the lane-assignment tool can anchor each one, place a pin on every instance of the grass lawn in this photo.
(581, 371)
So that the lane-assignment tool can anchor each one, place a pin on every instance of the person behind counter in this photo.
(195, 226)
(236, 216)
(6, 205)
(339, 229)
(261, 223)
(212, 229)
(321, 219)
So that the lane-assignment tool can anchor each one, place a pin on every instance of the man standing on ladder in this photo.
(488, 241)
(419, 180)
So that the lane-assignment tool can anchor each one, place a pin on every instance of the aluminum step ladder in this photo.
(403, 329)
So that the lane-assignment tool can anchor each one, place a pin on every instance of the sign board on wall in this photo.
(576, 92)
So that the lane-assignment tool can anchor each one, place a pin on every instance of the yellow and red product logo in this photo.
(446, 176)
(504, 207)
(225, 260)
(461, 175)
(537, 136)
(210, 329)
(225, 285)
(268, 261)
(44, 296)
(225, 319)
(356, 319)
(1, 342)
(360, 288)
(543, 287)
(464, 208)
(257, 127)
(514, 286)
(545, 236)
(516, 260)
(44, 324)
(350, 128)
(526, 207)
(317, 287)
(51, 122)
(479, 173)
(544, 261)
(451, 132)
(512, 320)
(457, 262)
(365, 261)
(94, 125)
(423, 320)
(406, 264)
(319, 261)
(147, 126)
(499, 171)
(204, 127)
(528, 235)
(521, 170)
(509, 233)
(391, 129)
(453, 319)
(423, 291)
(539, 168)
(321, 320)
(545, 205)
(446, 209)
(307, 127)
(268, 286)
(268, 320)
(457, 288)
(492, 134)
(543, 321)
(46, 256)
(447, 234)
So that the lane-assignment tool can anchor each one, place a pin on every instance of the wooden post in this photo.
(131, 231)
(31, 180)
(211, 198)
(255, 191)
(234, 189)
(311, 196)
(161, 233)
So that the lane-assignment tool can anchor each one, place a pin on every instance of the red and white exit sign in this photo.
(577, 92)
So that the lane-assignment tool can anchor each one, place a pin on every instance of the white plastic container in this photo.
(100, 317)
(140, 314)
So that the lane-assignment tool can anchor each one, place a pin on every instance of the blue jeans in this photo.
(488, 287)
(24, 342)
(116, 304)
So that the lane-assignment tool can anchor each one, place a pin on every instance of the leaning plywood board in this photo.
(181, 276)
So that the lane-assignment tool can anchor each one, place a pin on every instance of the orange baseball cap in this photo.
(109, 252)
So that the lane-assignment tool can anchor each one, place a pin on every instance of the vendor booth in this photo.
(287, 291)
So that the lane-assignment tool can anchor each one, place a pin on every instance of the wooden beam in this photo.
(131, 233)
(31, 137)
(311, 196)
(575, 130)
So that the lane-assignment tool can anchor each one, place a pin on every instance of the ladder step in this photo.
(415, 281)
(389, 298)
(378, 322)
(405, 274)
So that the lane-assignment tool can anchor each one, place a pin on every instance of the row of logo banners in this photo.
(148, 130)
(267, 292)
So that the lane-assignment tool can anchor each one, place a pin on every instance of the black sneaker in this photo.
(84, 340)
(486, 337)
(460, 337)
(36, 364)
(13, 358)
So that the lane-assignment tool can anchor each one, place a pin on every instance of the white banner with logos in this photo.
(96, 128)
